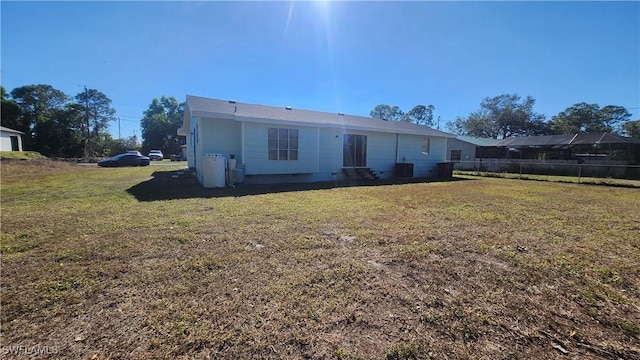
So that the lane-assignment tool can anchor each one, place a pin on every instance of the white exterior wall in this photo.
(5, 141)
(381, 149)
(384, 150)
(255, 138)
(410, 150)
(190, 148)
(320, 156)
(221, 137)
(468, 152)
(212, 136)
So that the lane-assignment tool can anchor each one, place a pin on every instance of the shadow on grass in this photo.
(172, 185)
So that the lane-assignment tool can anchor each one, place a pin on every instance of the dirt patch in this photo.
(490, 269)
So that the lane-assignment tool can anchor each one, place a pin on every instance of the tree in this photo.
(386, 112)
(37, 104)
(160, 125)
(631, 129)
(97, 114)
(10, 114)
(501, 117)
(421, 115)
(588, 118)
(472, 125)
(61, 135)
(613, 117)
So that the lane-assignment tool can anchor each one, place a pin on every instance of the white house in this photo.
(10, 140)
(285, 144)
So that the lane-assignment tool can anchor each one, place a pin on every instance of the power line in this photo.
(129, 120)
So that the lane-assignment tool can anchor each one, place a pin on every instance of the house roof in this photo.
(6, 129)
(206, 107)
(478, 141)
(566, 140)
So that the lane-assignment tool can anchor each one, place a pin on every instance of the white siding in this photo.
(319, 151)
(257, 155)
(468, 153)
(221, 137)
(410, 151)
(5, 141)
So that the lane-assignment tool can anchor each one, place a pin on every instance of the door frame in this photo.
(354, 151)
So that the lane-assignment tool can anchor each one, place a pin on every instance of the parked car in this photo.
(126, 159)
(155, 155)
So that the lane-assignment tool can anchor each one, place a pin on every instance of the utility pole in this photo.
(119, 136)
(438, 122)
(86, 110)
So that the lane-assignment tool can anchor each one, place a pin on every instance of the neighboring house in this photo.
(10, 140)
(283, 144)
(601, 147)
(595, 154)
(462, 150)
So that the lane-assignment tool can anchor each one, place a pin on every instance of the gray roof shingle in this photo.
(205, 107)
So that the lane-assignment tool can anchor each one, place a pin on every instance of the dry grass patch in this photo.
(488, 268)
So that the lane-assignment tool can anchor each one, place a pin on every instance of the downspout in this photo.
(397, 154)
(242, 144)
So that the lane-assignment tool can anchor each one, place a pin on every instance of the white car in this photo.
(155, 155)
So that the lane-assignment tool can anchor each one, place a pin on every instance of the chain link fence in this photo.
(570, 168)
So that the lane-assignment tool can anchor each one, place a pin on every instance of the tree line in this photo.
(509, 115)
(58, 125)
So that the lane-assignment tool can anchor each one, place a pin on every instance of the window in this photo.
(425, 146)
(456, 155)
(283, 144)
(14, 143)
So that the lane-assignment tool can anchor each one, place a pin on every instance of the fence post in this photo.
(520, 176)
(579, 172)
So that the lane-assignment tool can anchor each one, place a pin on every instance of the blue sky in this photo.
(325, 55)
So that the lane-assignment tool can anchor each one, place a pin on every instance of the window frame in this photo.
(459, 155)
(283, 144)
(425, 146)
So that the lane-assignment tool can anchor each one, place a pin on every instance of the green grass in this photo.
(21, 155)
(131, 263)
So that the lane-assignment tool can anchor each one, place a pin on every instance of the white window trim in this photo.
(278, 150)
(425, 149)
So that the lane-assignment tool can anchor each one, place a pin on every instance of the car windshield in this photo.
(154, 152)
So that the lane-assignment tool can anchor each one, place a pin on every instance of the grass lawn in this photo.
(21, 155)
(131, 263)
